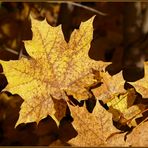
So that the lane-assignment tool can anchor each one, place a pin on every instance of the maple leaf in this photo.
(139, 136)
(142, 84)
(93, 128)
(111, 87)
(117, 140)
(55, 67)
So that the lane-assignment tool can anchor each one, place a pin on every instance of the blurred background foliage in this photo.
(120, 36)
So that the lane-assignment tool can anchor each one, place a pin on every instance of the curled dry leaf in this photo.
(55, 67)
(142, 84)
(111, 86)
(131, 114)
(123, 109)
(122, 102)
(93, 128)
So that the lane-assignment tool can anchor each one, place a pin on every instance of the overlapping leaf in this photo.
(139, 136)
(111, 87)
(93, 128)
(142, 84)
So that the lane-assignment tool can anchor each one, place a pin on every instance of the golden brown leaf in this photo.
(142, 84)
(117, 140)
(139, 136)
(111, 86)
(55, 67)
(93, 128)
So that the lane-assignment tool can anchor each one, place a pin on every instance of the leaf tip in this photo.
(55, 119)
(91, 20)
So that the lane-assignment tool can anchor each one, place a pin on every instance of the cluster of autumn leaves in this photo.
(57, 70)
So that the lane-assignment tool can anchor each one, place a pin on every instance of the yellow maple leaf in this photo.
(93, 128)
(55, 67)
(142, 84)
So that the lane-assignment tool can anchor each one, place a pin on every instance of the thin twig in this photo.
(9, 50)
(80, 5)
(21, 53)
(12, 51)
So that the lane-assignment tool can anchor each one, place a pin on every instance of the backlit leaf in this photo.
(142, 84)
(55, 67)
